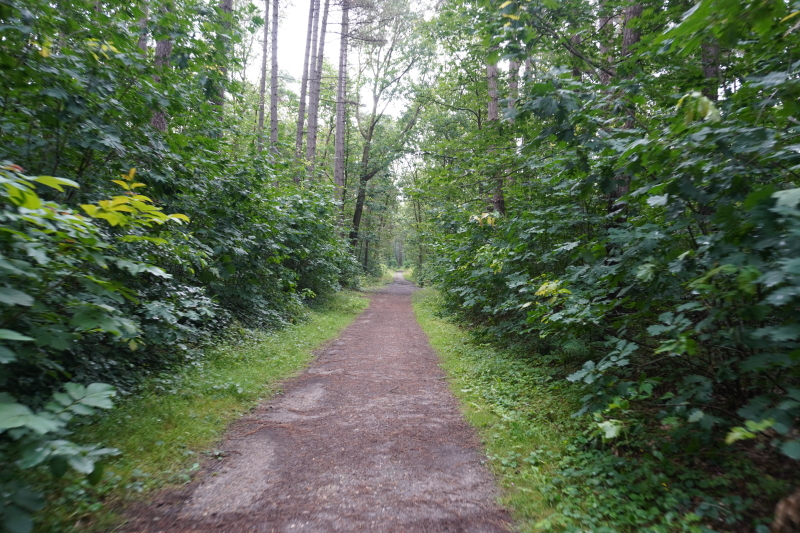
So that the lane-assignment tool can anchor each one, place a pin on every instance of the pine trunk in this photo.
(273, 98)
(710, 59)
(341, 107)
(316, 82)
(493, 115)
(163, 54)
(262, 88)
(301, 113)
(226, 7)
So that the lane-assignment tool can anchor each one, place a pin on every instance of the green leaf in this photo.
(96, 476)
(791, 449)
(28, 499)
(6, 356)
(14, 415)
(787, 198)
(611, 428)
(99, 395)
(8, 335)
(55, 183)
(58, 466)
(14, 297)
(81, 463)
(17, 520)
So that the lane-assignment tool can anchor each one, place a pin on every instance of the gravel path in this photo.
(368, 439)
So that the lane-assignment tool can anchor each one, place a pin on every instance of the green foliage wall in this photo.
(102, 282)
(649, 246)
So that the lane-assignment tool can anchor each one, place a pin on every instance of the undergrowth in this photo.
(372, 283)
(566, 474)
(166, 431)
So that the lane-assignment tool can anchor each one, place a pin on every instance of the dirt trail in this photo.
(368, 439)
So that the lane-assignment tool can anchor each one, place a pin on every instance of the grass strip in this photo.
(164, 432)
(521, 413)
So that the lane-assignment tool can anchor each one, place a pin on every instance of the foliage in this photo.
(101, 283)
(557, 471)
(648, 246)
(178, 417)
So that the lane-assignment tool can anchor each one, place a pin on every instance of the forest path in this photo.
(369, 438)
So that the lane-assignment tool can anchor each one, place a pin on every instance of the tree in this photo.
(262, 89)
(273, 98)
(162, 62)
(308, 62)
(316, 84)
(341, 106)
(387, 54)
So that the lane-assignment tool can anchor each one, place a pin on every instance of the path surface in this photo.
(368, 439)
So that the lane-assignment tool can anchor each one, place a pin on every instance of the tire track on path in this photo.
(368, 438)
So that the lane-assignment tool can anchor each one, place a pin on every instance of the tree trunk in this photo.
(513, 86)
(301, 114)
(341, 105)
(493, 115)
(576, 69)
(364, 178)
(494, 109)
(313, 104)
(710, 59)
(143, 37)
(226, 6)
(262, 88)
(163, 54)
(273, 97)
(631, 35)
(605, 28)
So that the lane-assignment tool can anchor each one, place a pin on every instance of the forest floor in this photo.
(369, 438)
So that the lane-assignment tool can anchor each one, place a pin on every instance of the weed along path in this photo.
(369, 438)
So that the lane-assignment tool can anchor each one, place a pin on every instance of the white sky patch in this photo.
(292, 40)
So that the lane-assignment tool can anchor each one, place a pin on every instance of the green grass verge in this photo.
(164, 432)
(521, 413)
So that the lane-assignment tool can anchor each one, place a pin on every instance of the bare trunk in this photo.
(364, 178)
(576, 69)
(710, 59)
(493, 115)
(605, 28)
(316, 82)
(301, 113)
(226, 6)
(513, 86)
(143, 37)
(262, 88)
(491, 76)
(163, 54)
(341, 107)
(273, 97)
(631, 35)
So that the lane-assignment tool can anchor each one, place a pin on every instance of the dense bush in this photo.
(648, 247)
(100, 288)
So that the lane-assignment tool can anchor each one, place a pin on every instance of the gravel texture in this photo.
(369, 438)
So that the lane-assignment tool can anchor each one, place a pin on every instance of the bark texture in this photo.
(313, 101)
(710, 59)
(262, 88)
(301, 113)
(273, 97)
(341, 106)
